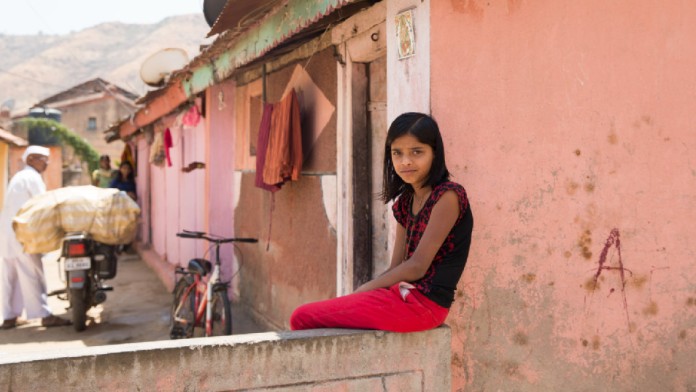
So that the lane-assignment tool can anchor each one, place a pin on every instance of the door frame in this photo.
(361, 38)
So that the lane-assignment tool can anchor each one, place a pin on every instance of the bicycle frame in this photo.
(214, 277)
(201, 301)
(204, 287)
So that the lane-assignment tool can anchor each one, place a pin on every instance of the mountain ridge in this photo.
(34, 67)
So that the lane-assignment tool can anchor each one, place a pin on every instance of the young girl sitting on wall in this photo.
(431, 247)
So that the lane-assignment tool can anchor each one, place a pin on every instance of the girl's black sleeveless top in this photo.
(440, 281)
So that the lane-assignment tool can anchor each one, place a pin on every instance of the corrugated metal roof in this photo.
(240, 14)
(276, 16)
(252, 36)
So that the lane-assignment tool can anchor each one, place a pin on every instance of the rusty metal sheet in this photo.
(284, 22)
(234, 48)
(240, 14)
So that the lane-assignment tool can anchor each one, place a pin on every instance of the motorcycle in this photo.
(87, 263)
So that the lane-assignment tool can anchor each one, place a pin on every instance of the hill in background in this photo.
(34, 67)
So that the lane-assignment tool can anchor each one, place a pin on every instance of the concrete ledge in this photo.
(325, 360)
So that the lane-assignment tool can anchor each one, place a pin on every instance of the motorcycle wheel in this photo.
(78, 304)
(221, 313)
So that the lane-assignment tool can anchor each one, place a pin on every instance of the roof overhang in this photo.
(90, 98)
(10, 138)
(239, 14)
(230, 51)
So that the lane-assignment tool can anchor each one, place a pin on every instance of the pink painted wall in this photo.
(142, 181)
(192, 191)
(178, 198)
(220, 187)
(566, 121)
(173, 190)
(158, 208)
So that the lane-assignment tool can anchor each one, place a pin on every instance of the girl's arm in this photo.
(399, 248)
(442, 218)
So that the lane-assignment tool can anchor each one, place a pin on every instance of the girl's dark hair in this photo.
(425, 129)
(131, 175)
(104, 157)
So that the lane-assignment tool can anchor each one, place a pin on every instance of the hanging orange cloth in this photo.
(284, 151)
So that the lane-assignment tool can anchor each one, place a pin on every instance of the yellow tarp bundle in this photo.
(108, 214)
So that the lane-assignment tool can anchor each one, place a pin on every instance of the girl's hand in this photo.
(365, 287)
(371, 285)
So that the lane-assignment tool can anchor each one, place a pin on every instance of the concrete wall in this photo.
(320, 360)
(571, 126)
(295, 259)
(408, 79)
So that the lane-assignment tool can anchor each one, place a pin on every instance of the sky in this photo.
(28, 17)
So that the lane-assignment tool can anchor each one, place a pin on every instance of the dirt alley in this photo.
(137, 310)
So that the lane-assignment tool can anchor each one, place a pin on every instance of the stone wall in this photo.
(317, 360)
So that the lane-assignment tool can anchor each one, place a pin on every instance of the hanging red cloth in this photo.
(167, 145)
(261, 145)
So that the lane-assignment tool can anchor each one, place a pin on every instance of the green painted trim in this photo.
(272, 31)
(201, 79)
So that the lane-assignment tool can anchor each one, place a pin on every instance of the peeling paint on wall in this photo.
(316, 108)
(236, 189)
(328, 190)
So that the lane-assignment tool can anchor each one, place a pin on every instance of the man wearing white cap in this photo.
(21, 275)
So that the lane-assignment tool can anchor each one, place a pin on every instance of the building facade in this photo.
(568, 124)
(87, 109)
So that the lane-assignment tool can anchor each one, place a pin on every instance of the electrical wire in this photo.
(45, 22)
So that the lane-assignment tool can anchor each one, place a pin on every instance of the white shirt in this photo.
(22, 187)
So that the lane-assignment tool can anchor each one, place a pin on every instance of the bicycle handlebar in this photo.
(204, 236)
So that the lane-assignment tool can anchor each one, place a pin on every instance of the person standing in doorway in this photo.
(22, 279)
(125, 180)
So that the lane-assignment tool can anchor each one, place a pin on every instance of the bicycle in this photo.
(200, 297)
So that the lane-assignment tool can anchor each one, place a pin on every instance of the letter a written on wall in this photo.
(404, 34)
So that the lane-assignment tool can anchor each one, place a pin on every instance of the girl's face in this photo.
(412, 159)
(125, 170)
(105, 164)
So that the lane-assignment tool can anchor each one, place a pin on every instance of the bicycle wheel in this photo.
(221, 313)
(182, 316)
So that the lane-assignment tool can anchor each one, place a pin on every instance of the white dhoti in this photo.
(23, 287)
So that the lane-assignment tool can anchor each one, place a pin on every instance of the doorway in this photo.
(370, 214)
(362, 228)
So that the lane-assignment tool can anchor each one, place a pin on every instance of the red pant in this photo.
(382, 309)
